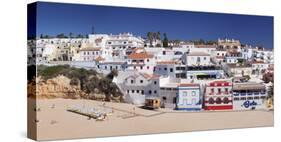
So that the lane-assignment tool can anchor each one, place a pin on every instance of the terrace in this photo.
(203, 68)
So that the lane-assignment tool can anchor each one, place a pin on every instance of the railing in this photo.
(249, 94)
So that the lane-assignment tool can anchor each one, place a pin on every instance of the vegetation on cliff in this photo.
(90, 81)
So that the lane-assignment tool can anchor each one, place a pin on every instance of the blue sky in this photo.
(55, 18)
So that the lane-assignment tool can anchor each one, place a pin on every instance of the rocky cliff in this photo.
(58, 87)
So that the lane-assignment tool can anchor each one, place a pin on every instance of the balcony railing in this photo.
(249, 94)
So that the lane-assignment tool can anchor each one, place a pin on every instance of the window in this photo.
(141, 67)
(219, 90)
(174, 100)
(193, 93)
(218, 54)
(171, 69)
(142, 92)
(155, 82)
(249, 98)
(147, 67)
(132, 81)
(218, 101)
(243, 98)
(205, 58)
(184, 94)
(149, 92)
(164, 52)
(155, 92)
(165, 69)
(185, 101)
(211, 101)
(226, 90)
(147, 60)
(141, 81)
(225, 100)
(236, 99)
(133, 91)
(138, 91)
(212, 90)
(128, 91)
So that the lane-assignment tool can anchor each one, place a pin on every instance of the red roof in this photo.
(142, 55)
(150, 76)
(99, 58)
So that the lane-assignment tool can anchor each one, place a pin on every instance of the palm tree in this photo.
(70, 35)
(165, 40)
(149, 37)
(154, 36)
(158, 35)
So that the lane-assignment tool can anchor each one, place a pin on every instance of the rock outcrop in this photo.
(58, 87)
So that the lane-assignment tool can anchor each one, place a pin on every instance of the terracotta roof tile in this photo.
(142, 55)
(99, 58)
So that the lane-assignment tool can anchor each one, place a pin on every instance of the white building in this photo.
(233, 56)
(138, 86)
(91, 53)
(238, 70)
(259, 67)
(218, 56)
(248, 96)
(189, 97)
(229, 43)
(119, 41)
(197, 59)
(209, 49)
(141, 61)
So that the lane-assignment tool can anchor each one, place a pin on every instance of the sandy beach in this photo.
(55, 122)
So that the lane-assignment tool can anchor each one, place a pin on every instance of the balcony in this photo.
(249, 94)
